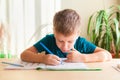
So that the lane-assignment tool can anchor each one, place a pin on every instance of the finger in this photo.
(71, 50)
(67, 60)
(55, 62)
(56, 57)
(58, 60)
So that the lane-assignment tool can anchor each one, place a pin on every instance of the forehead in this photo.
(60, 36)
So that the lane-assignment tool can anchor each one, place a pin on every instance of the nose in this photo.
(65, 47)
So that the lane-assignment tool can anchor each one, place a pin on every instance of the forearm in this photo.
(98, 56)
(30, 56)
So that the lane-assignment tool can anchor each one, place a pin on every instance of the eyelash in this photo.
(60, 41)
(68, 41)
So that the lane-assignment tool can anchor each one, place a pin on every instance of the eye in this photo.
(60, 40)
(70, 41)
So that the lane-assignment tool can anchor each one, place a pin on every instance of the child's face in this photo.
(65, 43)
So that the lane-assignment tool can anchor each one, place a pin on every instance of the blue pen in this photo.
(13, 64)
(47, 49)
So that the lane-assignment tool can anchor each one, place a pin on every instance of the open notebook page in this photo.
(64, 65)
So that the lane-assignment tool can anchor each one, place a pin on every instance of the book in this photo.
(33, 66)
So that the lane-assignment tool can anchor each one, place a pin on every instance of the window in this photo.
(28, 21)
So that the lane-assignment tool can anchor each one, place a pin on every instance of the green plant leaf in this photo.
(104, 28)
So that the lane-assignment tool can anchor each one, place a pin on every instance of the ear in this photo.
(78, 32)
(54, 30)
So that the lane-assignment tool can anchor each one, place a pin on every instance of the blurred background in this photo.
(24, 22)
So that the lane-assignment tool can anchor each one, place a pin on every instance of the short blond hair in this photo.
(66, 21)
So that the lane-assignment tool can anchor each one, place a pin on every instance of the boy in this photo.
(65, 43)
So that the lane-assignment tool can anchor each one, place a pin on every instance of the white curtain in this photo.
(27, 21)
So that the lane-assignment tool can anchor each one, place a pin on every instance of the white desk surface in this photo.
(107, 73)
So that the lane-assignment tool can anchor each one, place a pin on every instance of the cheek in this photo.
(71, 45)
(58, 44)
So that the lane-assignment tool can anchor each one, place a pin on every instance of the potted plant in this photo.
(104, 30)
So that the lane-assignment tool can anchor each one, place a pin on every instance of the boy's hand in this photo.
(75, 56)
(51, 59)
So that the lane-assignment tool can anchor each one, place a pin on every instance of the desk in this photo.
(107, 73)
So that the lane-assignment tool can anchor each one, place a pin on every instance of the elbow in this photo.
(23, 56)
(106, 56)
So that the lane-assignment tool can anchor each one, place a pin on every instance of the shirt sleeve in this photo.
(85, 46)
(46, 41)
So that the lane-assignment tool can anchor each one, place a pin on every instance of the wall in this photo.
(119, 1)
(85, 8)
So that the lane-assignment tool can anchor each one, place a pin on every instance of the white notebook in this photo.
(29, 66)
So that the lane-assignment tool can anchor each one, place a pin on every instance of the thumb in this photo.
(71, 50)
